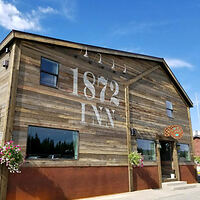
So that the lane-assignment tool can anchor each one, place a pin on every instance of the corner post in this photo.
(130, 168)
(14, 63)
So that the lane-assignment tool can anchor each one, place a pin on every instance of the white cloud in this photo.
(47, 10)
(12, 18)
(178, 63)
(69, 9)
(134, 27)
(132, 50)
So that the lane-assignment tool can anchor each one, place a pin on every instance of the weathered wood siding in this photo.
(59, 108)
(148, 105)
(4, 93)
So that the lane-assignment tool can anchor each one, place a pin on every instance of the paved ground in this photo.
(158, 194)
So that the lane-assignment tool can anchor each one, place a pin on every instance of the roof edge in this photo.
(189, 101)
(8, 39)
(49, 40)
(59, 42)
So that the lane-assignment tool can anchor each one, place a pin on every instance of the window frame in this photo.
(43, 71)
(153, 161)
(53, 159)
(171, 110)
(190, 159)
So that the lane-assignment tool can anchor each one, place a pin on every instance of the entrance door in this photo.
(166, 155)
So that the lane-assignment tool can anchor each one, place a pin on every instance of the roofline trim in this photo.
(48, 40)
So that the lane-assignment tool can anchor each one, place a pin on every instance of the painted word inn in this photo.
(77, 111)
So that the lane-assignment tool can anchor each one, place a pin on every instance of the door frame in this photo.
(175, 162)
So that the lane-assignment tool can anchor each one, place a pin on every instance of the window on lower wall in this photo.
(147, 149)
(51, 143)
(48, 72)
(183, 152)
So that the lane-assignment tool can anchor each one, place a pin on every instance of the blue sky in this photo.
(168, 29)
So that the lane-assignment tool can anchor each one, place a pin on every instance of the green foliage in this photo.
(197, 159)
(136, 159)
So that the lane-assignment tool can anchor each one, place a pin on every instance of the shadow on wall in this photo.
(64, 183)
(28, 188)
(188, 173)
(145, 178)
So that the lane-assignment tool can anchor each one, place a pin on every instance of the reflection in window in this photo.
(48, 72)
(169, 109)
(147, 149)
(183, 152)
(51, 143)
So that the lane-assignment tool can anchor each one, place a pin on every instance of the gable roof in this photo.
(14, 34)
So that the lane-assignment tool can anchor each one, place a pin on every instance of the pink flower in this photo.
(11, 142)
(9, 154)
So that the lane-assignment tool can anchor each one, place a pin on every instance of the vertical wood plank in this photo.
(175, 161)
(191, 136)
(130, 168)
(10, 110)
(158, 163)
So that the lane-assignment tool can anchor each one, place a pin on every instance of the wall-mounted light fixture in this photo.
(124, 71)
(7, 50)
(5, 63)
(86, 54)
(133, 131)
(100, 61)
(113, 65)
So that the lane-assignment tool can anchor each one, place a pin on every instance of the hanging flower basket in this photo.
(136, 159)
(197, 159)
(11, 156)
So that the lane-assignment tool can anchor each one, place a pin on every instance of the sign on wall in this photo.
(91, 82)
(174, 131)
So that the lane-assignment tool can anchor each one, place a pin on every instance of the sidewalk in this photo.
(157, 194)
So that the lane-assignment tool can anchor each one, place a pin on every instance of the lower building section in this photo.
(145, 178)
(66, 183)
(188, 173)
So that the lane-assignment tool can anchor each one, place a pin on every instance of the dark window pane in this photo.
(49, 66)
(147, 149)
(51, 143)
(183, 152)
(48, 79)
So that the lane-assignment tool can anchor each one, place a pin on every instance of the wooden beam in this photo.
(175, 161)
(191, 134)
(10, 111)
(130, 168)
(140, 76)
(159, 162)
(6, 41)
(192, 144)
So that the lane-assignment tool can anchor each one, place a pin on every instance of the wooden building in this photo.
(78, 111)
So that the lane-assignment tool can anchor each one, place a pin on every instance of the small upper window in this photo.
(169, 109)
(49, 72)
